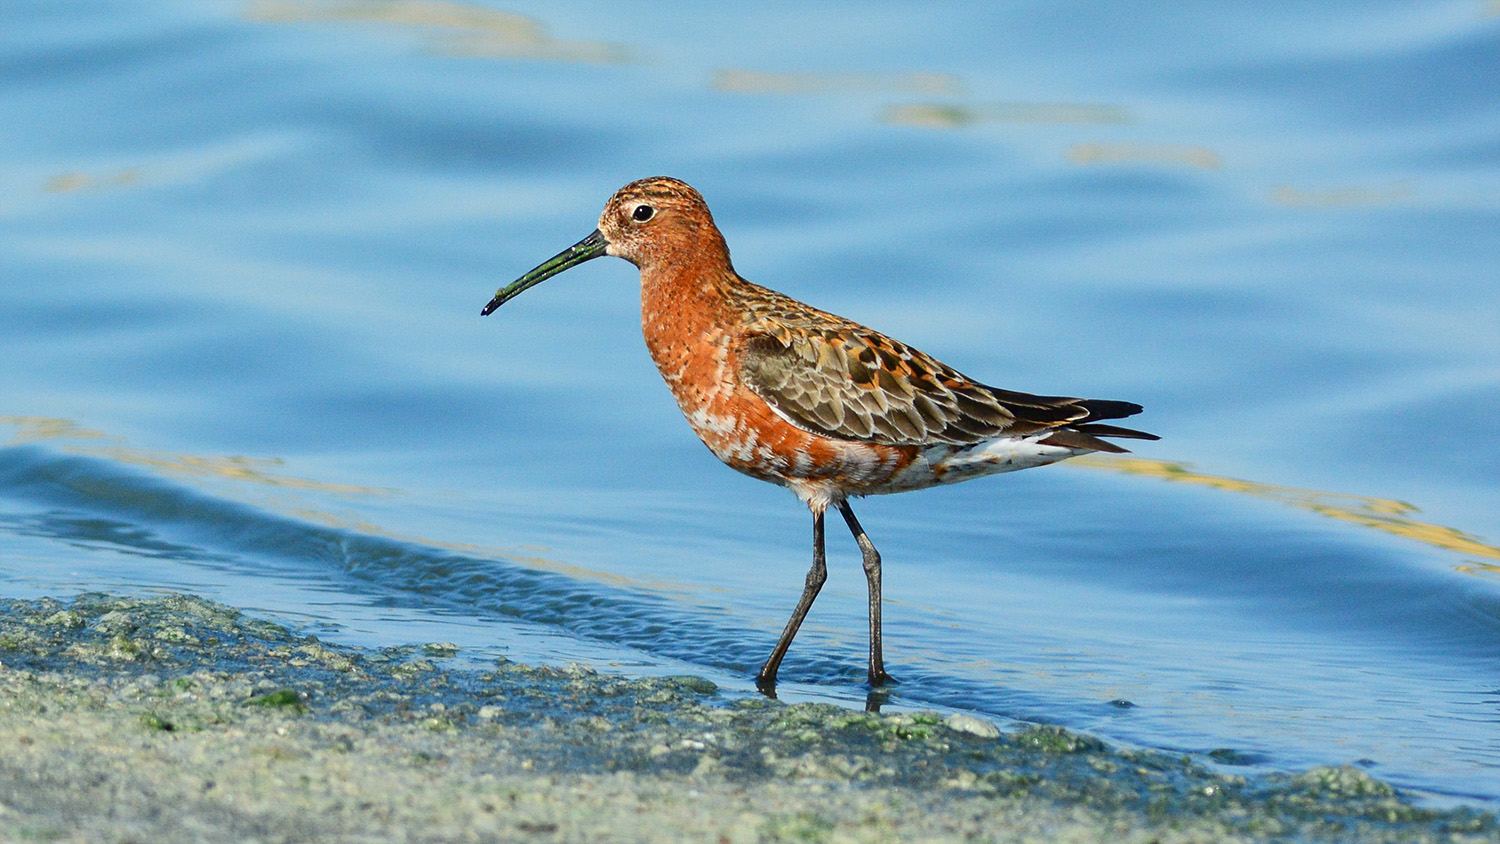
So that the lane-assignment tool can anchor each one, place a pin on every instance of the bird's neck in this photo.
(686, 314)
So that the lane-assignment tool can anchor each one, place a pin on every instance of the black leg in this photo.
(872, 574)
(766, 679)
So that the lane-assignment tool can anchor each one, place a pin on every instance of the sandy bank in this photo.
(177, 719)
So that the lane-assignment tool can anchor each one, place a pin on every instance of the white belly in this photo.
(948, 464)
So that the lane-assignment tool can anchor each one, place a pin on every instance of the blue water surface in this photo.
(246, 244)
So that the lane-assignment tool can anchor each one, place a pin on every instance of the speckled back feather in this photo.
(835, 377)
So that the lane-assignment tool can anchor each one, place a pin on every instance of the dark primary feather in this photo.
(842, 380)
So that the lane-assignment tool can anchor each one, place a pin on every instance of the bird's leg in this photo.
(872, 574)
(766, 679)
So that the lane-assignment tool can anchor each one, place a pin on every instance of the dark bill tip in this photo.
(587, 249)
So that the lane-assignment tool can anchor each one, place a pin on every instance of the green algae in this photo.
(152, 721)
(287, 699)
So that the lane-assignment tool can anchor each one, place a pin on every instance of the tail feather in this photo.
(1085, 434)
(1109, 409)
(1068, 427)
(1071, 438)
(1099, 430)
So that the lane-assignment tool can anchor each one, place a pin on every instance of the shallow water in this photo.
(247, 243)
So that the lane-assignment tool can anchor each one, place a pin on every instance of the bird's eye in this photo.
(643, 213)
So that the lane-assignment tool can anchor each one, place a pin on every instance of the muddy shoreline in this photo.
(176, 718)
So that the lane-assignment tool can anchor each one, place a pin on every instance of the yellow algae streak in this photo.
(76, 182)
(1119, 153)
(760, 82)
(1382, 514)
(451, 28)
(36, 428)
(1341, 197)
(937, 116)
(259, 470)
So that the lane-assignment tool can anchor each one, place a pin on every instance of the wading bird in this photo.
(800, 397)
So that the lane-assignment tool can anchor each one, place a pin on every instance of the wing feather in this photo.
(851, 383)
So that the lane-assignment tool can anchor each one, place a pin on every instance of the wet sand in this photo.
(177, 719)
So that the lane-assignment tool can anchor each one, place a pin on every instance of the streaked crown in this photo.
(660, 219)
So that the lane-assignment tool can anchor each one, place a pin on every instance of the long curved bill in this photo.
(587, 249)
